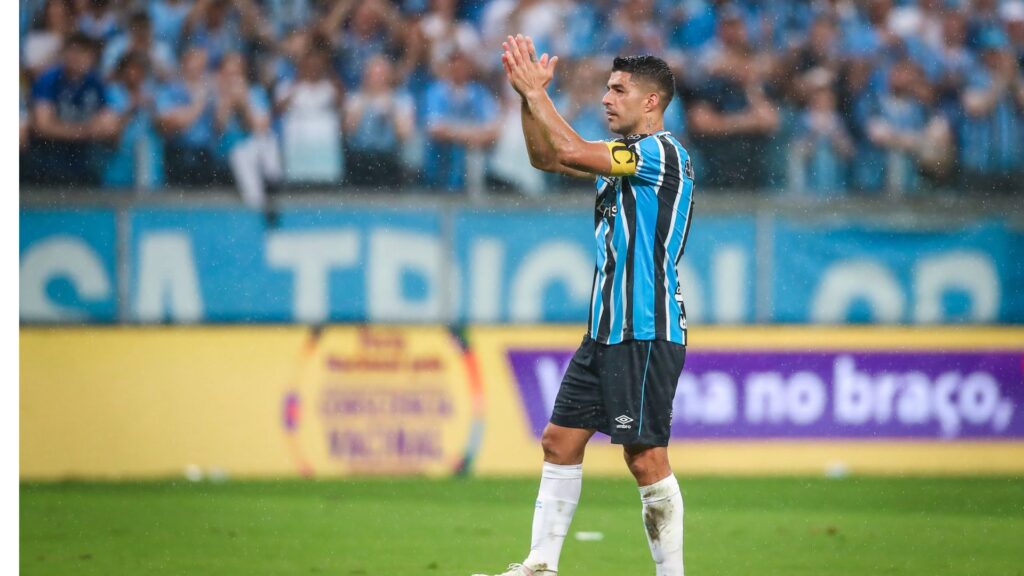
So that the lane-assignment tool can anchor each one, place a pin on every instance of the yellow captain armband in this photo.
(623, 159)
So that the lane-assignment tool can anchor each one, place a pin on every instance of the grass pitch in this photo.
(784, 526)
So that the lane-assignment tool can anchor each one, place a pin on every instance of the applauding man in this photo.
(622, 379)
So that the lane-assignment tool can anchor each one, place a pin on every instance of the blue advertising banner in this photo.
(315, 265)
(68, 261)
(859, 274)
(1013, 304)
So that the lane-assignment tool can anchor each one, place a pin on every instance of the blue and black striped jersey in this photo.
(641, 222)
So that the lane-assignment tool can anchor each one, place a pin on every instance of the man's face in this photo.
(78, 60)
(193, 64)
(461, 70)
(624, 103)
(141, 35)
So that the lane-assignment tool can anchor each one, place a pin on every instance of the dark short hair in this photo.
(651, 69)
(83, 41)
(132, 58)
(139, 19)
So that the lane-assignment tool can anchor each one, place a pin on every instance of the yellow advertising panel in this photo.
(285, 401)
(769, 400)
(130, 402)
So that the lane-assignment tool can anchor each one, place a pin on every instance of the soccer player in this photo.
(622, 379)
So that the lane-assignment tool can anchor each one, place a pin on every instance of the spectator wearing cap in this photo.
(379, 122)
(70, 115)
(992, 150)
(137, 158)
(138, 38)
(461, 117)
(730, 117)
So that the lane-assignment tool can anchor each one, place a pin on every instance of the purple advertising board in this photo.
(827, 395)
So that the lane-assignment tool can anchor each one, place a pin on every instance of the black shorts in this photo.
(623, 390)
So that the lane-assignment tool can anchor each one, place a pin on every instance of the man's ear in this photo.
(653, 102)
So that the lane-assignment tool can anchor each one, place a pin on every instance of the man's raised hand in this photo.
(524, 71)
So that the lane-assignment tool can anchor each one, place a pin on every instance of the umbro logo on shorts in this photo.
(624, 422)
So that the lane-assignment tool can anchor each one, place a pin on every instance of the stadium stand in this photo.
(818, 98)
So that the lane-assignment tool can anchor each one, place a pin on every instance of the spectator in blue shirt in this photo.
(730, 114)
(955, 62)
(580, 103)
(373, 27)
(137, 160)
(461, 116)
(71, 116)
(169, 18)
(242, 120)
(219, 130)
(897, 125)
(822, 144)
(690, 24)
(98, 20)
(139, 38)
(185, 112)
(213, 25)
(379, 120)
(992, 151)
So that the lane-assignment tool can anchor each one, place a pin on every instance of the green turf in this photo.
(785, 526)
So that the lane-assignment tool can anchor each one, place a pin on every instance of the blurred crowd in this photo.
(813, 97)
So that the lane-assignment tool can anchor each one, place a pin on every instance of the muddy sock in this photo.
(663, 523)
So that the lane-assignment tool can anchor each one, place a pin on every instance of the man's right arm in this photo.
(48, 125)
(542, 154)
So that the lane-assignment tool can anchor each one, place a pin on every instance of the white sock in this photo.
(663, 522)
(556, 501)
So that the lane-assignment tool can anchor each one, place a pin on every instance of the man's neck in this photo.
(644, 129)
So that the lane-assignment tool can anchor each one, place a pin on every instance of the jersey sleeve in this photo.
(648, 159)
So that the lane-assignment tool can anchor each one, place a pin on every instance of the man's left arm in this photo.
(570, 150)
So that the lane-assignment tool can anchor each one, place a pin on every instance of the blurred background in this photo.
(263, 241)
(823, 99)
(336, 198)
